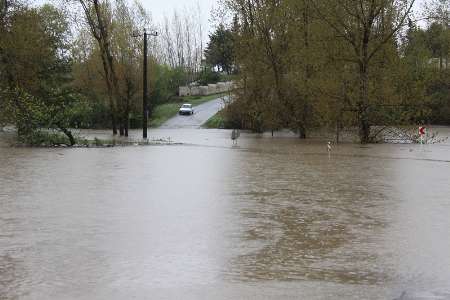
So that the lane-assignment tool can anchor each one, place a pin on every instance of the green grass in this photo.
(163, 112)
(215, 121)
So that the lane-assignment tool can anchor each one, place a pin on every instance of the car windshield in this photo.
(186, 106)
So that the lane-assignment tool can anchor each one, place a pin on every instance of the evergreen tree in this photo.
(220, 49)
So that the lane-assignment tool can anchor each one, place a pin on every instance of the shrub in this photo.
(208, 76)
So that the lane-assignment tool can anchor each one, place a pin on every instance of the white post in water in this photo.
(235, 135)
(329, 149)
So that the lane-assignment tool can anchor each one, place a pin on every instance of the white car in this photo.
(186, 109)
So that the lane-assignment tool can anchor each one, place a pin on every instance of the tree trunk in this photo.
(307, 70)
(124, 122)
(126, 116)
(101, 34)
(112, 102)
(68, 133)
(114, 123)
(363, 105)
(302, 132)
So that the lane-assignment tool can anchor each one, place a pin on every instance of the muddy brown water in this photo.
(271, 218)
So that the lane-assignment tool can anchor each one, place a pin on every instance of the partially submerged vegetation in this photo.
(216, 121)
(406, 134)
(305, 65)
(43, 138)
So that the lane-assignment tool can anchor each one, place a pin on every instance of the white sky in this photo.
(159, 8)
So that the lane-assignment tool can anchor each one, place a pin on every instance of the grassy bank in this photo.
(215, 121)
(163, 112)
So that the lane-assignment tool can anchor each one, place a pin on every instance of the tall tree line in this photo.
(117, 28)
(35, 68)
(310, 63)
(80, 64)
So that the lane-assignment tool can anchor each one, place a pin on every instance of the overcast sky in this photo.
(159, 8)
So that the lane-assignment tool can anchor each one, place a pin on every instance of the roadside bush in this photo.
(439, 91)
(43, 139)
(99, 116)
(208, 77)
(166, 83)
(81, 115)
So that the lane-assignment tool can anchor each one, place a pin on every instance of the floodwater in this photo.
(271, 218)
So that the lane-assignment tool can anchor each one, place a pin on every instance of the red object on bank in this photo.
(422, 130)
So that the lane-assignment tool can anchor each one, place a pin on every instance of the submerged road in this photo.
(201, 114)
(270, 219)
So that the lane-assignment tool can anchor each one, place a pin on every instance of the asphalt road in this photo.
(201, 114)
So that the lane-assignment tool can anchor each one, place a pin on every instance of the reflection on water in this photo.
(269, 219)
(307, 217)
(10, 276)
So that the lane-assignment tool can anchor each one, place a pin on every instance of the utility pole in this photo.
(145, 108)
(145, 92)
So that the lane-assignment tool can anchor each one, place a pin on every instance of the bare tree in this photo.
(438, 10)
(181, 41)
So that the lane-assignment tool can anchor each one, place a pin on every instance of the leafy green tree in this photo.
(278, 54)
(438, 43)
(220, 49)
(321, 62)
(368, 28)
(208, 76)
(35, 79)
(437, 40)
(165, 81)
